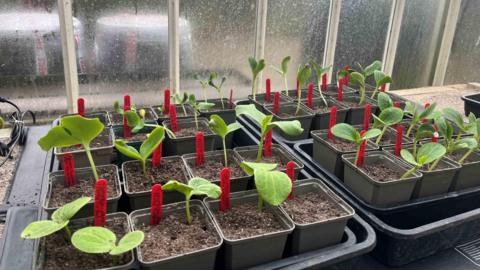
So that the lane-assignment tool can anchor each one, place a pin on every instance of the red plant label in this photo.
(126, 103)
(396, 104)
(157, 156)
(366, 116)
(225, 187)
(268, 91)
(310, 96)
(68, 170)
(347, 76)
(298, 88)
(340, 90)
(361, 151)
(173, 118)
(324, 82)
(435, 137)
(156, 204)
(398, 140)
(100, 203)
(291, 174)
(127, 132)
(276, 103)
(267, 144)
(383, 87)
(333, 121)
(81, 106)
(200, 148)
(230, 101)
(166, 101)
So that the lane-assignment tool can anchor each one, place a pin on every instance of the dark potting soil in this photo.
(192, 131)
(117, 119)
(85, 187)
(381, 172)
(169, 169)
(320, 108)
(61, 254)
(101, 140)
(342, 145)
(173, 236)
(213, 165)
(7, 170)
(456, 156)
(312, 207)
(244, 220)
(440, 166)
(136, 137)
(277, 157)
(291, 113)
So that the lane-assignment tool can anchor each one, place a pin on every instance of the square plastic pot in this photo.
(251, 251)
(142, 199)
(228, 115)
(438, 181)
(250, 153)
(292, 94)
(322, 233)
(183, 145)
(236, 183)
(180, 113)
(322, 120)
(87, 210)
(472, 104)
(101, 155)
(305, 117)
(117, 119)
(376, 192)
(355, 114)
(260, 101)
(203, 258)
(467, 175)
(101, 115)
(328, 156)
(332, 90)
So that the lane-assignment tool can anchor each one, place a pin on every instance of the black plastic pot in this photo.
(228, 115)
(101, 115)
(150, 117)
(332, 90)
(183, 145)
(178, 108)
(328, 156)
(322, 120)
(305, 117)
(466, 177)
(203, 258)
(472, 104)
(401, 100)
(247, 252)
(355, 114)
(292, 94)
(236, 183)
(392, 133)
(142, 199)
(376, 192)
(437, 181)
(260, 100)
(322, 233)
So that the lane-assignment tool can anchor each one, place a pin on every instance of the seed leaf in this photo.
(408, 157)
(39, 229)
(272, 186)
(250, 167)
(204, 187)
(291, 128)
(128, 242)
(152, 142)
(346, 131)
(127, 150)
(384, 101)
(432, 151)
(67, 211)
(94, 240)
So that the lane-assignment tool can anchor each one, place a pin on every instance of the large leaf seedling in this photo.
(427, 154)
(283, 71)
(217, 86)
(256, 67)
(222, 129)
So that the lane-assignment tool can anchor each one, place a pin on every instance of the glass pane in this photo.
(362, 32)
(464, 62)
(290, 32)
(221, 38)
(123, 49)
(419, 38)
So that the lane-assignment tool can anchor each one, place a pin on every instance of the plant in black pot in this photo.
(321, 80)
(381, 79)
(118, 113)
(256, 67)
(356, 102)
(283, 72)
(418, 114)
(389, 116)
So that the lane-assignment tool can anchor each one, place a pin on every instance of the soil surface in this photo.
(312, 207)
(381, 172)
(441, 165)
(136, 137)
(343, 145)
(213, 165)
(61, 254)
(7, 170)
(244, 220)
(291, 113)
(178, 109)
(277, 157)
(169, 169)
(218, 106)
(352, 104)
(173, 236)
(456, 156)
(192, 131)
(85, 187)
(102, 140)
(117, 119)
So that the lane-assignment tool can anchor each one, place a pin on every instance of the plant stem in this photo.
(379, 138)
(187, 210)
(225, 151)
(466, 156)
(260, 203)
(435, 163)
(412, 124)
(414, 147)
(144, 167)
(286, 84)
(357, 154)
(68, 233)
(90, 159)
(221, 99)
(298, 99)
(320, 92)
(204, 94)
(254, 88)
(196, 119)
(184, 110)
(362, 95)
(409, 172)
(374, 93)
(260, 149)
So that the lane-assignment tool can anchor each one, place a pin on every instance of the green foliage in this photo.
(380, 79)
(204, 84)
(384, 101)
(250, 167)
(181, 100)
(256, 67)
(370, 69)
(119, 110)
(97, 240)
(283, 71)
(456, 118)
(220, 128)
(217, 86)
(388, 117)
(303, 74)
(416, 113)
(427, 154)
(2, 122)
(319, 71)
(198, 107)
(359, 79)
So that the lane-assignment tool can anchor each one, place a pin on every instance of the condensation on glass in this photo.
(418, 43)
(464, 61)
(222, 38)
(297, 29)
(362, 32)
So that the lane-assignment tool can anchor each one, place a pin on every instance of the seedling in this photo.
(153, 140)
(59, 220)
(413, 109)
(204, 84)
(320, 71)
(380, 79)
(303, 74)
(427, 154)
(137, 123)
(348, 132)
(73, 130)
(221, 129)
(370, 69)
(425, 130)
(217, 86)
(359, 79)
(389, 115)
(283, 71)
(118, 109)
(273, 187)
(256, 67)
(181, 100)
(265, 122)
(196, 186)
(198, 106)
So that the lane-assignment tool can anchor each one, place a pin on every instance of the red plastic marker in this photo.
(383, 87)
(396, 104)
(298, 88)
(230, 100)
(276, 103)
(435, 137)
(127, 132)
(347, 76)
(333, 121)
(166, 101)
(68, 170)
(398, 140)
(366, 116)
(200, 148)
(100, 203)
(361, 151)
(324, 82)
(157, 156)
(268, 91)
(81, 106)
(173, 118)
(340, 89)
(310, 96)
(267, 144)
(156, 204)
(291, 174)
(225, 187)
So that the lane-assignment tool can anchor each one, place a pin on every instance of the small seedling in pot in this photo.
(198, 107)
(181, 100)
(148, 146)
(196, 186)
(380, 79)
(359, 79)
(457, 119)
(413, 109)
(204, 84)
(73, 130)
(370, 69)
(303, 75)
(256, 67)
(389, 116)
(292, 128)
(427, 154)
(425, 130)
(217, 86)
(283, 72)
(59, 220)
(137, 123)
(273, 187)
(218, 126)
(319, 71)
(118, 109)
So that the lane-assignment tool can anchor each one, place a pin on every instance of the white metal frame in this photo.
(260, 32)
(174, 45)
(331, 40)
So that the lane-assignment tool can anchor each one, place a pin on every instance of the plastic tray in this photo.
(471, 103)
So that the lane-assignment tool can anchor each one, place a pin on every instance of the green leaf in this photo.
(154, 139)
(116, 107)
(250, 111)
(285, 62)
(250, 167)
(94, 240)
(128, 242)
(381, 78)
(384, 101)
(272, 186)
(357, 78)
(370, 69)
(424, 131)
(66, 212)
(253, 64)
(291, 128)
(2, 122)
(264, 125)
(428, 112)
(203, 106)
(465, 143)
(233, 126)
(371, 133)
(127, 150)
(455, 117)
(57, 137)
(432, 151)
(217, 124)
(391, 116)
(444, 127)
(204, 187)
(82, 129)
(347, 132)
(134, 121)
(180, 187)
(39, 229)
(408, 157)
(260, 66)
(303, 75)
